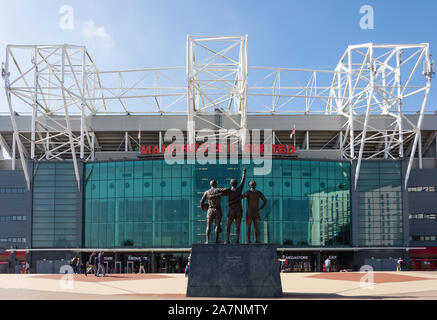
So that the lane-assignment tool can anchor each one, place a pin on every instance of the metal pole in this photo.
(67, 120)
(14, 155)
(398, 83)
(351, 112)
(307, 140)
(93, 141)
(419, 123)
(341, 143)
(82, 114)
(35, 106)
(190, 98)
(160, 140)
(420, 149)
(47, 145)
(366, 120)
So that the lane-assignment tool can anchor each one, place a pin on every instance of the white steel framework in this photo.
(61, 85)
(54, 81)
(217, 73)
(374, 80)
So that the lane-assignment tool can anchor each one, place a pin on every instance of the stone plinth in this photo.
(234, 271)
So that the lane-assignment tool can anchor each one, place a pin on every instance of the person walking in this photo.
(282, 260)
(101, 264)
(399, 265)
(78, 265)
(27, 270)
(142, 264)
(327, 265)
(83, 268)
(92, 260)
(187, 269)
(73, 264)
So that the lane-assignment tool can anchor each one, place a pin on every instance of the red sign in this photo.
(219, 148)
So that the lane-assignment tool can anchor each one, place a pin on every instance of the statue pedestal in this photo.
(234, 271)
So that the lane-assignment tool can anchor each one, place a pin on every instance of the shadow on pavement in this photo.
(334, 296)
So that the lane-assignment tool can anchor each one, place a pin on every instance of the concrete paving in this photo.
(339, 285)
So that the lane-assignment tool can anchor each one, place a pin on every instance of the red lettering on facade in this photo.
(290, 149)
(219, 147)
(155, 149)
(146, 149)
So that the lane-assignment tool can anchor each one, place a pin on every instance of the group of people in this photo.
(96, 264)
(326, 264)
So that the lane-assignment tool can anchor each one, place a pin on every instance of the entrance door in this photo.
(107, 266)
(163, 265)
(117, 266)
(130, 267)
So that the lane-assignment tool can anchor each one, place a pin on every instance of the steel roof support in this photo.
(422, 113)
(217, 75)
(5, 145)
(67, 120)
(62, 87)
(17, 139)
(369, 60)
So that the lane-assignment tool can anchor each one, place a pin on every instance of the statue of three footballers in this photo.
(235, 210)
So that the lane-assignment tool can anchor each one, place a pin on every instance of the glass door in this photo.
(130, 267)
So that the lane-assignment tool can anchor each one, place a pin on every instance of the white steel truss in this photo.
(62, 86)
(53, 81)
(373, 80)
(217, 73)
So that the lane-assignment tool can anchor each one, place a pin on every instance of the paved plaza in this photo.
(377, 285)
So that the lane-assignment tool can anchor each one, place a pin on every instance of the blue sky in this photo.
(286, 33)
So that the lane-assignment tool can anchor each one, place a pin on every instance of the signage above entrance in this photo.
(286, 149)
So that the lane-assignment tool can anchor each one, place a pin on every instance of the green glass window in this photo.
(380, 204)
(55, 205)
(152, 204)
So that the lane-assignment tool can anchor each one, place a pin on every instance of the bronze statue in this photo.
(235, 210)
(252, 212)
(213, 208)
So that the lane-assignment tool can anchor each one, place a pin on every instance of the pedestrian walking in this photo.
(83, 268)
(187, 269)
(92, 260)
(73, 264)
(327, 265)
(27, 270)
(399, 265)
(142, 264)
(77, 265)
(100, 264)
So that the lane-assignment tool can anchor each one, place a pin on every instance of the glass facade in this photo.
(56, 202)
(147, 204)
(380, 204)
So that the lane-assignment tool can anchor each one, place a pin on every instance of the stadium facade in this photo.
(353, 170)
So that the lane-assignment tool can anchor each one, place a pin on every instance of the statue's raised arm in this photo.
(243, 179)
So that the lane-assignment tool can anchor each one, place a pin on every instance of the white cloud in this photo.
(91, 31)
